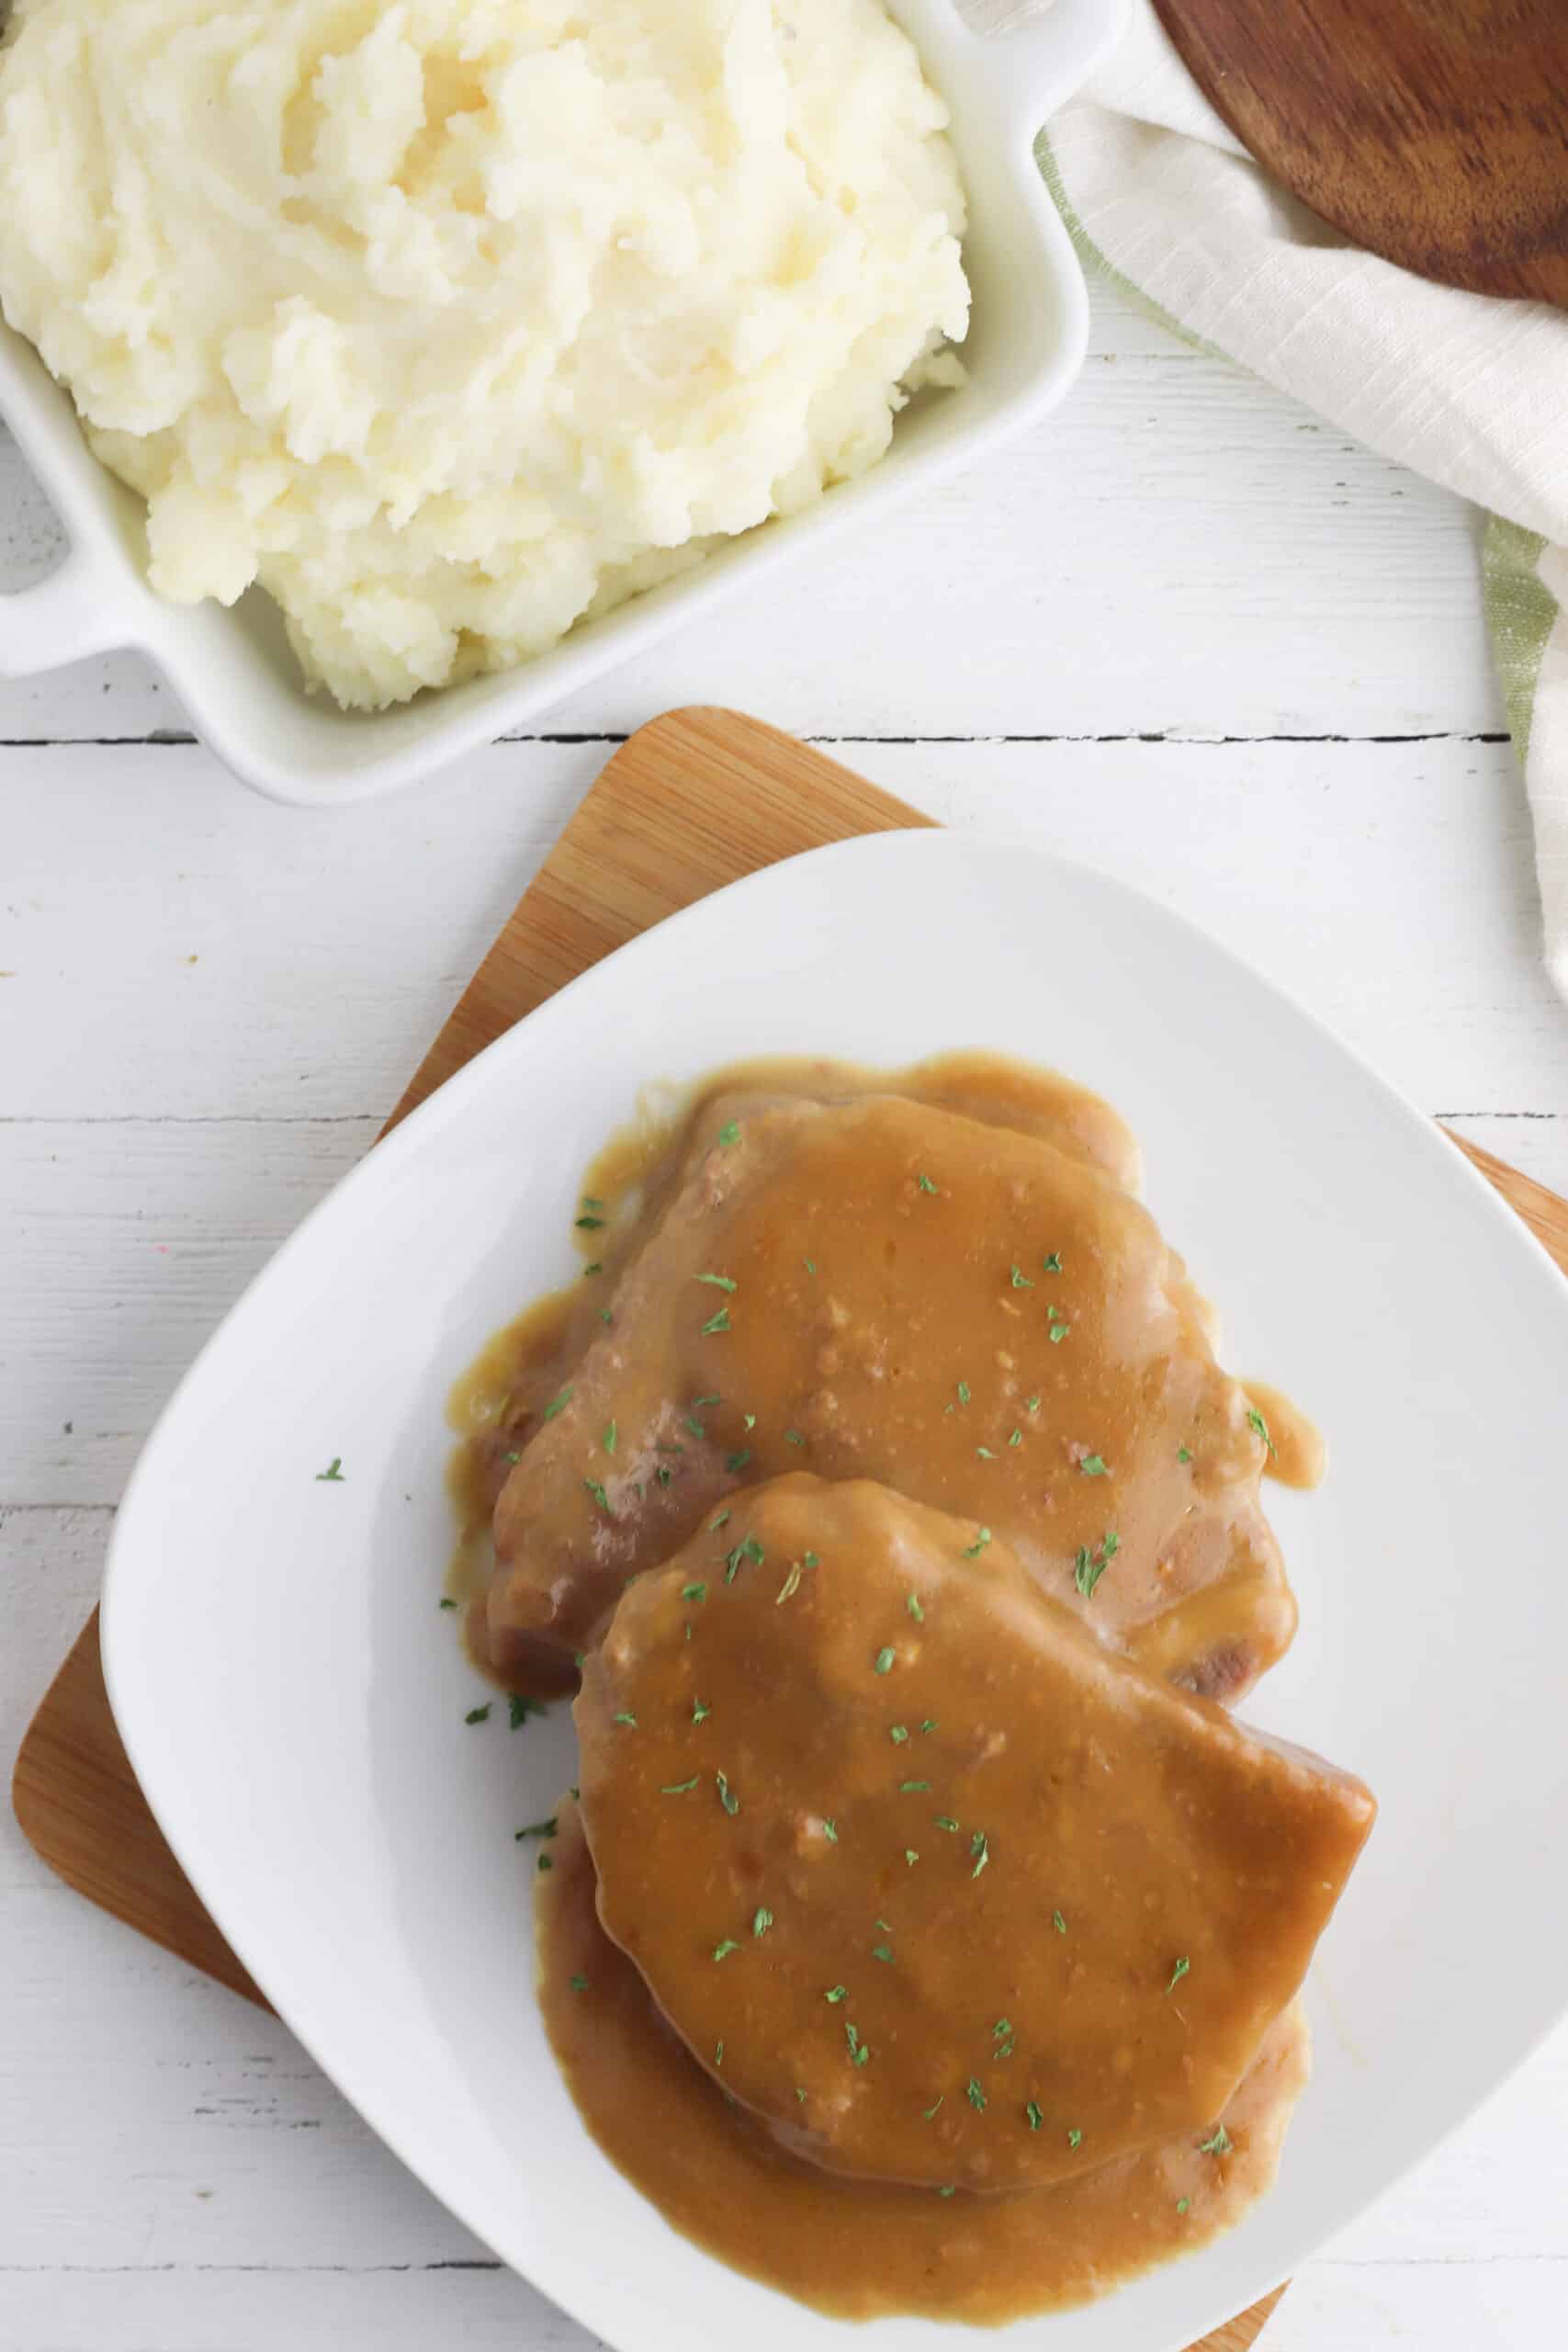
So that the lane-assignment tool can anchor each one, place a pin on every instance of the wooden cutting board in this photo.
(692, 801)
(1431, 131)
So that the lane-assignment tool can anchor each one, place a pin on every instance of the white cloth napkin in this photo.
(1466, 388)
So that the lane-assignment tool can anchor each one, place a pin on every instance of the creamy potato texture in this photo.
(450, 323)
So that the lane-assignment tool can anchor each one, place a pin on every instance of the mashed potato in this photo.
(452, 321)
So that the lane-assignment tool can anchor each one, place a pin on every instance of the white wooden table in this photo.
(1185, 632)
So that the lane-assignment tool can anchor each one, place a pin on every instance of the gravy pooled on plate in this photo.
(941, 1280)
(933, 1883)
(862, 2249)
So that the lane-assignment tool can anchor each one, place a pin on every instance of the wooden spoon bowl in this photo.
(1434, 132)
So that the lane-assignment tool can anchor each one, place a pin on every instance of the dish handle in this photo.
(1042, 51)
(60, 619)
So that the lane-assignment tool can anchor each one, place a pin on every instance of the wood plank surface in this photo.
(692, 801)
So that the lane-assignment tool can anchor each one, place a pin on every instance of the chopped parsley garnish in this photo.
(792, 1437)
(514, 1457)
(980, 1847)
(537, 1829)
(884, 1658)
(747, 1549)
(898, 1735)
(719, 1282)
(1178, 1973)
(690, 1421)
(1020, 1280)
(722, 1520)
(608, 1441)
(1053, 1264)
(859, 2054)
(1031, 1403)
(928, 2112)
(1182, 2203)
(974, 2095)
(723, 1950)
(925, 1185)
(698, 1402)
(737, 1462)
(911, 1856)
(809, 1264)
(557, 1405)
(1259, 1428)
(478, 1715)
(1184, 1453)
(964, 1392)
(880, 1951)
(579, 1983)
(1094, 1466)
(663, 1473)
(836, 1992)
(720, 1322)
(761, 1920)
(928, 1723)
(1089, 1567)
(944, 1821)
(750, 1420)
(605, 1316)
(693, 1592)
(791, 1583)
(1035, 2116)
(699, 1713)
(830, 1831)
(332, 1475)
(985, 1454)
(545, 1862)
(1016, 1438)
(730, 1803)
(1058, 1923)
(729, 1132)
(912, 1787)
(810, 1560)
(629, 1720)
(1058, 1330)
(1074, 2137)
(446, 1604)
(596, 1268)
(596, 1489)
(718, 2057)
(916, 1611)
(1217, 2144)
(590, 1203)
(1002, 2030)
(519, 1709)
(973, 1551)
(589, 1224)
(680, 1788)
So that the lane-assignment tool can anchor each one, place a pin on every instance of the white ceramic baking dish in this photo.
(234, 670)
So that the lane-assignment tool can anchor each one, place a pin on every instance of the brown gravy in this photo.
(855, 2249)
(962, 1897)
(1193, 1590)
(1199, 1591)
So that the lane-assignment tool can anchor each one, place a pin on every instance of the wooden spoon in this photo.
(1434, 132)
